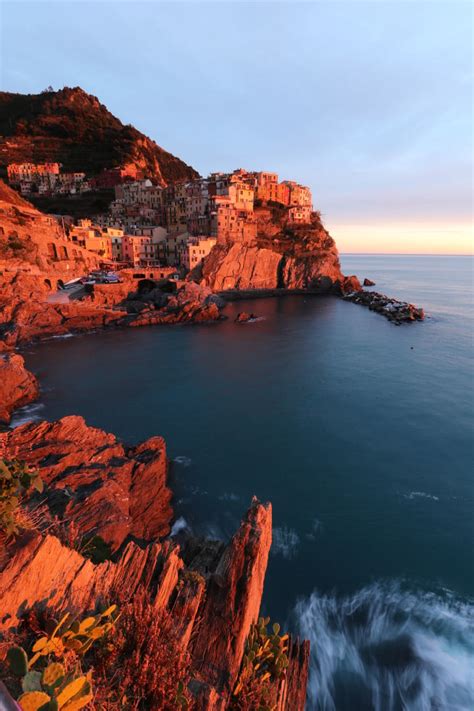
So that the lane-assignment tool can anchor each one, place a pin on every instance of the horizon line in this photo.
(409, 254)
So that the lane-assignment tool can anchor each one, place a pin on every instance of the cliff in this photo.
(94, 481)
(73, 128)
(17, 385)
(284, 255)
(212, 600)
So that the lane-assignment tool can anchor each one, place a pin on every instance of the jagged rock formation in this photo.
(283, 256)
(213, 599)
(95, 481)
(17, 385)
(73, 128)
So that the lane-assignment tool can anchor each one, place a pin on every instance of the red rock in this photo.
(94, 480)
(349, 284)
(282, 256)
(17, 385)
(212, 611)
(233, 599)
(244, 317)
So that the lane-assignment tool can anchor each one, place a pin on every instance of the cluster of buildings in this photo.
(220, 206)
(48, 180)
(146, 246)
(177, 225)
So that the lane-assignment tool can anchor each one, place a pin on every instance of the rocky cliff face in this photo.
(17, 385)
(284, 256)
(73, 128)
(34, 243)
(104, 487)
(212, 600)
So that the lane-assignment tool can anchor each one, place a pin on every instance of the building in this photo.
(299, 194)
(138, 250)
(230, 224)
(196, 249)
(300, 213)
(18, 172)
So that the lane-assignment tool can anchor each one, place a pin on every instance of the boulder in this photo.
(244, 317)
(368, 282)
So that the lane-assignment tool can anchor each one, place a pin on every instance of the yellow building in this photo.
(197, 249)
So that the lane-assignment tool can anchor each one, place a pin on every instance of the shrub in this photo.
(150, 669)
(264, 662)
(16, 478)
(58, 681)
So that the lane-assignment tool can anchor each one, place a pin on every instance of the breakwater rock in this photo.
(396, 311)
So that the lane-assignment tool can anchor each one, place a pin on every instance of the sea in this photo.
(358, 431)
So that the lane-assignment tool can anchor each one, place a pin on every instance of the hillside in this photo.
(73, 128)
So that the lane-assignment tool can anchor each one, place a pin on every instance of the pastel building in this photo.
(196, 249)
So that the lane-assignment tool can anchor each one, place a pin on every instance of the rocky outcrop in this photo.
(17, 385)
(27, 312)
(368, 282)
(284, 256)
(213, 599)
(396, 311)
(104, 487)
(244, 317)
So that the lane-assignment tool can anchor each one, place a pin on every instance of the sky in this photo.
(369, 103)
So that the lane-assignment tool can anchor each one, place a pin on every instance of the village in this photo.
(171, 228)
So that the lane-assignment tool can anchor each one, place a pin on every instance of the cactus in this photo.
(31, 681)
(16, 478)
(18, 661)
(265, 661)
(53, 675)
(33, 700)
(51, 689)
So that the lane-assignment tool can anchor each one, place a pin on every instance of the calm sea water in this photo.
(359, 432)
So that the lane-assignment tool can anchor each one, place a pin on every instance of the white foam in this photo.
(179, 525)
(316, 528)
(28, 413)
(285, 542)
(183, 461)
(393, 648)
(422, 495)
(229, 496)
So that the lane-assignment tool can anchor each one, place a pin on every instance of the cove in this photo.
(358, 432)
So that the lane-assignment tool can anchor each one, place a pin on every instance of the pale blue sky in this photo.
(370, 103)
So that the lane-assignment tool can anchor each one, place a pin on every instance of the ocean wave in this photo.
(179, 525)
(285, 542)
(229, 496)
(316, 528)
(386, 648)
(422, 495)
(28, 413)
(183, 461)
